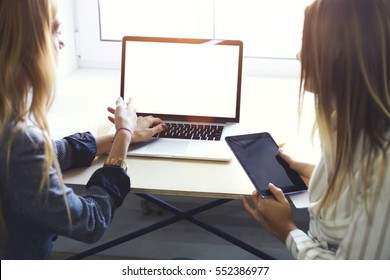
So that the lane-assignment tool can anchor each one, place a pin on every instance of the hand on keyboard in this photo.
(192, 131)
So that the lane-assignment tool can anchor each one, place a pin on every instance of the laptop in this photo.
(193, 85)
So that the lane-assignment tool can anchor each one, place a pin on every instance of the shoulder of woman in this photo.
(27, 137)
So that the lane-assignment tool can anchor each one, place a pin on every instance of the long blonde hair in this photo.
(345, 60)
(28, 66)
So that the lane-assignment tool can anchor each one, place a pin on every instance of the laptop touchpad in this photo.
(174, 147)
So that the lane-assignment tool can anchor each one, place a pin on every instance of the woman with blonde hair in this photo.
(345, 60)
(35, 205)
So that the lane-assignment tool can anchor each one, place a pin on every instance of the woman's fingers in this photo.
(277, 193)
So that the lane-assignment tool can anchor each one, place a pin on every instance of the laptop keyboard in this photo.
(192, 131)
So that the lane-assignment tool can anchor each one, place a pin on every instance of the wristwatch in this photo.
(116, 161)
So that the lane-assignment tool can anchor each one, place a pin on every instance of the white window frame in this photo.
(94, 52)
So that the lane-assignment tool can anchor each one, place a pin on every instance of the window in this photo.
(270, 30)
(168, 18)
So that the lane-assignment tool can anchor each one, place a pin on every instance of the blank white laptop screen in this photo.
(184, 80)
(182, 77)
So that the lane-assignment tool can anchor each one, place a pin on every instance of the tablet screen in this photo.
(258, 155)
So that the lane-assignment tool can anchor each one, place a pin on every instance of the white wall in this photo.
(67, 59)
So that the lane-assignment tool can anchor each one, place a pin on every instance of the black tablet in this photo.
(258, 155)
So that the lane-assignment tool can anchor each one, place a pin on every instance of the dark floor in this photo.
(183, 239)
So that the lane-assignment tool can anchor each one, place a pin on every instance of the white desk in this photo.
(268, 104)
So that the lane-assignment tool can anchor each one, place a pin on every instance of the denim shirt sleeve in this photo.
(76, 150)
(114, 180)
(91, 214)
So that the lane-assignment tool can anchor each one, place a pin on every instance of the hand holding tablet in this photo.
(258, 155)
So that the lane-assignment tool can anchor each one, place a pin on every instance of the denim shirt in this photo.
(33, 219)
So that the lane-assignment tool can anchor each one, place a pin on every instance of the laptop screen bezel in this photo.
(210, 119)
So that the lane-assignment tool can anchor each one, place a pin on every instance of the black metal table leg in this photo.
(179, 215)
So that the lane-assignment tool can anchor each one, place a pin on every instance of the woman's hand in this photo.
(125, 120)
(273, 213)
(147, 127)
(124, 117)
(304, 169)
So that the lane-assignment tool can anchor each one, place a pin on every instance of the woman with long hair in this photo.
(35, 205)
(345, 59)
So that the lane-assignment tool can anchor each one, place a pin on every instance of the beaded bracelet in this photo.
(122, 128)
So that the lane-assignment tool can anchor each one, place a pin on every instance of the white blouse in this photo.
(351, 233)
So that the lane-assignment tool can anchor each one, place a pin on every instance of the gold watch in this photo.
(116, 161)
